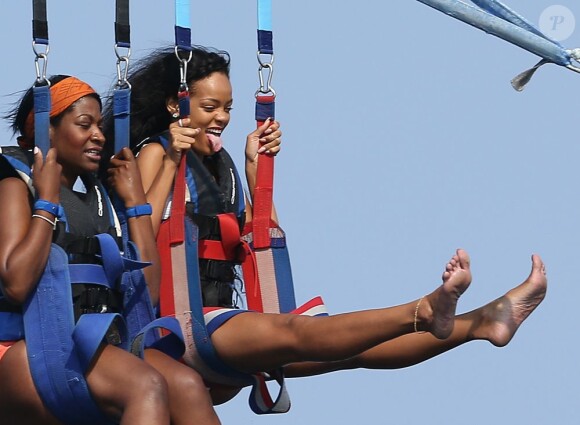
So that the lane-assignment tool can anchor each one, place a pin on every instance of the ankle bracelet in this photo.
(416, 313)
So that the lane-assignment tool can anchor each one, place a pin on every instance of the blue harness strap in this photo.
(41, 89)
(55, 364)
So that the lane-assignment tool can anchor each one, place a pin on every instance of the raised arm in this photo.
(26, 239)
(125, 180)
(158, 167)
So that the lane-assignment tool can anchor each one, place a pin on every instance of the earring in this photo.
(175, 115)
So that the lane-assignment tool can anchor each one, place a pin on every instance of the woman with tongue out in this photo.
(252, 342)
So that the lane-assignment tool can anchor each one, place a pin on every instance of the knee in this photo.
(188, 383)
(151, 385)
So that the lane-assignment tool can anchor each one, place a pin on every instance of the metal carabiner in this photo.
(183, 65)
(266, 88)
(40, 56)
(122, 66)
(263, 63)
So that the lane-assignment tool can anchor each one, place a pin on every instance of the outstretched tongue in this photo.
(214, 141)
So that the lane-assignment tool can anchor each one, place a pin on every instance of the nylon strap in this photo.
(55, 365)
(39, 22)
(41, 89)
(122, 25)
(265, 44)
(122, 116)
(42, 117)
(263, 192)
(122, 92)
(182, 25)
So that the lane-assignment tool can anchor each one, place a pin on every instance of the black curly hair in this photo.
(155, 79)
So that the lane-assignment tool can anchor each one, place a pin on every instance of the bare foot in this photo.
(501, 318)
(438, 312)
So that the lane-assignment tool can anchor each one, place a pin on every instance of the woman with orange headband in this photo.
(126, 389)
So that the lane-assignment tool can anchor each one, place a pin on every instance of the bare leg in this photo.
(189, 399)
(123, 386)
(496, 322)
(253, 342)
(126, 387)
(19, 401)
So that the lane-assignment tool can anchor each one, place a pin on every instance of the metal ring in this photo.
(180, 122)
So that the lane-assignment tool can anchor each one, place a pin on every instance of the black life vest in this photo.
(87, 213)
(214, 188)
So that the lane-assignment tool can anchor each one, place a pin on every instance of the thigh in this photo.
(19, 400)
(117, 377)
(256, 342)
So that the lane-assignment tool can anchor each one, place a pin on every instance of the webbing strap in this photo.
(42, 117)
(182, 25)
(263, 192)
(171, 344)
(265, 44)
(41, 89)
(11, 326)
(122, 116)
(178, 204)
(122, 25)
(55, 365)
(122, 92)
(228, 247)
(39, 22)
(90, 332)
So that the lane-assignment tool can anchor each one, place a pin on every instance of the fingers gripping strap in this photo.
(53, 358)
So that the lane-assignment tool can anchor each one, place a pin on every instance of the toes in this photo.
(463, 257)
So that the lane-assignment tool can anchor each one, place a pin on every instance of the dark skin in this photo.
(125, 388)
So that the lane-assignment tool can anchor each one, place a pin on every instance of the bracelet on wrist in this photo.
(139, 210)
(49, 207)
(48, 220)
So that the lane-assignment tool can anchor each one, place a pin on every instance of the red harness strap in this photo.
(171, 232)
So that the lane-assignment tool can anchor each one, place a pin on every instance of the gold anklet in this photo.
(416, 313)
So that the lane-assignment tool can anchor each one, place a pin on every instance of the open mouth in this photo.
(214, 138)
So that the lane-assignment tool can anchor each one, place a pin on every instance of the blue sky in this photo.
(403, 140)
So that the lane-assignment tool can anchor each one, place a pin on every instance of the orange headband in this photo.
(62, 95)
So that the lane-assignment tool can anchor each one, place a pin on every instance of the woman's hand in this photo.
(125, 179)
(181, 138)
(265, 139)
(46, 176)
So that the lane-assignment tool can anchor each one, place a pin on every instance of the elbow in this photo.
(14, 296)
(14, 293)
